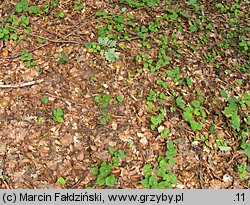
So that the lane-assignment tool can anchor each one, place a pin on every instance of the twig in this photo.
(20, 85)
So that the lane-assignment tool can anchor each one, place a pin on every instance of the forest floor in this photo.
(124, 94)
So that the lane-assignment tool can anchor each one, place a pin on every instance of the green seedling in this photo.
(93, 78)
(106, 118)
(41, 40)
(191, 112)
(45, 100)
(60, 14)
(156, 120)
(28, 58)
(22, 6)
(174, 74)
(243, 170)
(35, 10)
(61, 181)
(116, 155)
(165, 177)
(104, 101)
(165, 133)
(54, 3)
(232, 111)
(189, 82)
(39, 119)
(58, 115)
(103, 174)
(78, 6)
(62, 57)
(108, 49)
(3, 177)
(120, 98)
(162, 83)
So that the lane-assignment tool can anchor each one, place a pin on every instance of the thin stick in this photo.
(23, 84)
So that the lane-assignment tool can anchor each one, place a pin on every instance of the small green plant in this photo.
(116, 155)
(120, 98)
(62, 57)
(108, 49)
(35, 10)
(210, 57)
(54, 3)
(39, 119)
(61, 181)
(3, 177)
(22, 6)
(193, 3)
(156, 120)
(105, 46)
(78, 6)
(141, 3)
(103, 174)
(193, 111)
(58, 115)
(45, 100)
(165, 133)
(243, 170)
(165, 177)
(41, 40)
(28, 58)
(104, 101)
(162, 83)
(232, 111)
(60, 14)
(174, 74)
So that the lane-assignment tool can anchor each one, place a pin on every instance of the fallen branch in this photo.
(20, 85)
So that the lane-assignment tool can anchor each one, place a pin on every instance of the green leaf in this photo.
(95, 170)
(196, 103)
(111, 55)
(223, 93)
(172, 178)
(189, 82)
(45, 100)
(180, 103)
(40, 119)
(212, 128)
(121, 154)
(58, 112)
(111, 150)
(164, 134)
(195, 125)
(115, 161)
(14, 36)
(34, 10)
(58, 119)
(145, 183)
(235, 120)
(171, 160)
(93, 78)
(147, 168)
(163, 164)
(105, 119)
(110, 181)
(152, 180)
(100, 180)
(247, 149)
(41, 40)
(224, 148)
(61, 180)
(120, 98)
(161, 172)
